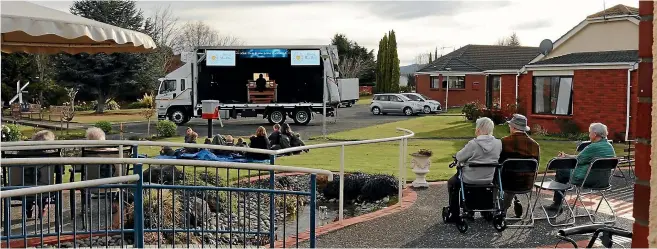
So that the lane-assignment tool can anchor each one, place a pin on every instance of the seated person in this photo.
(191, 139)
(43, 135)
(261, 83)
(275, 138)
(259, 141)
(167, 151)
(599, 148)
(208, 141)
(289, 138)
(229, 140)
(517, 145)
(188, 135)
(483, 149)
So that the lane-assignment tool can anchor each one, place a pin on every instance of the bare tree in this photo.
(353, 67)
(422, 59)
(512, 41)
(194, 34)
(165, 26)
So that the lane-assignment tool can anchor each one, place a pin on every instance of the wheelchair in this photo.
(477, 195)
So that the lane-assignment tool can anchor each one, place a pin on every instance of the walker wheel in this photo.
(517, 208)
(462, 225)
(445, 215)
(499, 223)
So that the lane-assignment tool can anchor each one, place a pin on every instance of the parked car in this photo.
(428, 105)
(394, 103)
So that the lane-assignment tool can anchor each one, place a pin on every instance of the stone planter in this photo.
(421, 165)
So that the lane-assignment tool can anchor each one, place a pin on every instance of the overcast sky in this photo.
(421, 26)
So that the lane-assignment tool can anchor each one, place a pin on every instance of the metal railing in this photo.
(198, 209)
(403, 143)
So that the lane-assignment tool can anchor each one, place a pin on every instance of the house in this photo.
(484, 73)
(589, 76)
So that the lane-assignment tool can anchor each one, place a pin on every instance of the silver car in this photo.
(394, 103)
(429, 105)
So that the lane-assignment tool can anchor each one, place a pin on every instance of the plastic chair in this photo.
(568, 163)
(518, 176)
(600, 164)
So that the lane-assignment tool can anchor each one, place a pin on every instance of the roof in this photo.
(592, 57)
(478, 58)
(617, 10)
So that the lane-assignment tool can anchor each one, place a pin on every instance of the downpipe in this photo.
(627, 115)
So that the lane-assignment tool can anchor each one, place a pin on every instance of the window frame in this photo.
(431, 82)
(459, 79)
(572, 94)
(164, 86)
(182, 85)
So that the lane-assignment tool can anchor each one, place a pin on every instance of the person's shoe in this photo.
(517, 208)
(554, 207)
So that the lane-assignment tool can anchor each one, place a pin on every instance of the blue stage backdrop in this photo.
(263, 53)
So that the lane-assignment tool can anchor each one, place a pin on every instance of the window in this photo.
(168, 86)
(553, 95)
(413, 97)
(434, 82)
(455, 82)
(497, 80)
(395, 99)
(182, 84)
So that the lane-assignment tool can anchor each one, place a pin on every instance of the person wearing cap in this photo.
(517, 145)
(599, 148)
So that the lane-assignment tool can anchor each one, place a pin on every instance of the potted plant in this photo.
(421, 163)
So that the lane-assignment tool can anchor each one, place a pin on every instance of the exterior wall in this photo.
(508, 89)
(457, 97)
(365, 89)
(618, 35)
(598, 96)
(645, 197)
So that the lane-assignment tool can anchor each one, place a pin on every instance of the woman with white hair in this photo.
(599, 148)
(483, 149)
(95, 133)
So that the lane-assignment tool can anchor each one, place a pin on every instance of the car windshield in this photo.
(404, 97)
(413, 97)
(425, 97)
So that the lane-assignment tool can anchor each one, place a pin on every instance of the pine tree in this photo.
(430, 58)
(381, 59)
(393, 59)
(435, 55)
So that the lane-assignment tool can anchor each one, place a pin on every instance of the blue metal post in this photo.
(272, 213)
(313, 203)
(139, 208)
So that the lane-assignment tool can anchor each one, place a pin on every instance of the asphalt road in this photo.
(348, 118)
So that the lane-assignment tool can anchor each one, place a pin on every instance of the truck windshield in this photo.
(167, 86)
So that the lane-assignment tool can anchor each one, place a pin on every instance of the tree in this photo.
(435, 55)
(102, 74)
(387, 75)
(355, 61)
(430, 58)
(410, 79)
(16, 67)
(195, 34)
(512, 41)
(422, 59)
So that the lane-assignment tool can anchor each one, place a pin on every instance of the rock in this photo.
(167, 174)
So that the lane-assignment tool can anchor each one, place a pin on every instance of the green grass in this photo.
(364, 100)
(28, 131)
(115, 116)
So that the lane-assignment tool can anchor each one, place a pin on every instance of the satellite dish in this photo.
(545, 47)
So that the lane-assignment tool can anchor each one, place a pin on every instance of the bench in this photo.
(57, 111)
(18, 110)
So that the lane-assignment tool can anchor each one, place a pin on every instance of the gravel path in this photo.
(421, 227)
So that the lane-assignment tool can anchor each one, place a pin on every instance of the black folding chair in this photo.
(582, 145)
(568, 163)
(604, 233)
(518, 177)
(601, 165)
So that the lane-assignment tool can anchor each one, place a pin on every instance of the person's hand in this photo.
(561, 154)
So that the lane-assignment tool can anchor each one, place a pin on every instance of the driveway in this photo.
(355, 117)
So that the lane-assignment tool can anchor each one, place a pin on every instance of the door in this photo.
(396, 103)
(493, 98)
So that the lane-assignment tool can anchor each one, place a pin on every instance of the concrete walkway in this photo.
(45, 124)
(421, 226)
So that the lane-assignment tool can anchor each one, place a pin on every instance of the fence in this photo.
(187, 191)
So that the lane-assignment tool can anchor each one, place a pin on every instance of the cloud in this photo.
(418, 9)
(535, 24)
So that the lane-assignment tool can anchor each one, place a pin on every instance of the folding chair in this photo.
(601, 164)
(518, 177)
(629, 160)
(582, 145)
(568, 163)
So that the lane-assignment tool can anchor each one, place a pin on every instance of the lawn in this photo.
(115, 116)
(364, 100)
(28, 131)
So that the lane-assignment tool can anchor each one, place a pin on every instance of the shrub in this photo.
(495, 115)
(568, 127)
(404, 89)
(104, 125)
(539, 130)
(166, 128)
(365, 93)
(135, 105)
(112, 105)
(147, 101)
(471, 110)
(11, 132)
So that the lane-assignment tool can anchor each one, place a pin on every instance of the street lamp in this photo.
(447, 88)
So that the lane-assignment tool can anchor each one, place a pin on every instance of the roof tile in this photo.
(477, 58)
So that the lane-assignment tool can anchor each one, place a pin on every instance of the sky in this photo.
(420, 26)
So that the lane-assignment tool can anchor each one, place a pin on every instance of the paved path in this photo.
(421, 226)
(44, 123)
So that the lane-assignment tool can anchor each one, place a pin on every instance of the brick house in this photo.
(589, 76)
(485, 73)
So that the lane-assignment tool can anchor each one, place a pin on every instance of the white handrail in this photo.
(179, 162)
(66, 186)
(34, 145)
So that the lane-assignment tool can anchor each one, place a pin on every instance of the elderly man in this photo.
(517, 145)
(44, 135)
(483, 149)
(95, 133)
(599, 148)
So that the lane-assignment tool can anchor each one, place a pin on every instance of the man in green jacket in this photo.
(599, 148)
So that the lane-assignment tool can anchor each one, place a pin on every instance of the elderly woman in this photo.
(599, 148)
(44, 135)
(483, 149)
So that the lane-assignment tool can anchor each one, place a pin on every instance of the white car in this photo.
(428, 105)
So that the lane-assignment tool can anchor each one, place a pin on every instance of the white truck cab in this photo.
(175, 92)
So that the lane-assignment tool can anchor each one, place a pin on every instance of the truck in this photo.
(275, 82)
(348, 89)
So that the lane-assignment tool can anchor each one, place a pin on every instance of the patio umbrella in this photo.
(32, 28)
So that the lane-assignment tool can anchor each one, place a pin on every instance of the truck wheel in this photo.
(301, 116)
(276, 117)
(178, 116)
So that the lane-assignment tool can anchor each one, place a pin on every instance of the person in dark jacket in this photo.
(259, 141)
(290, 139)
(261, 83)
(517, 145)
(275, 138)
